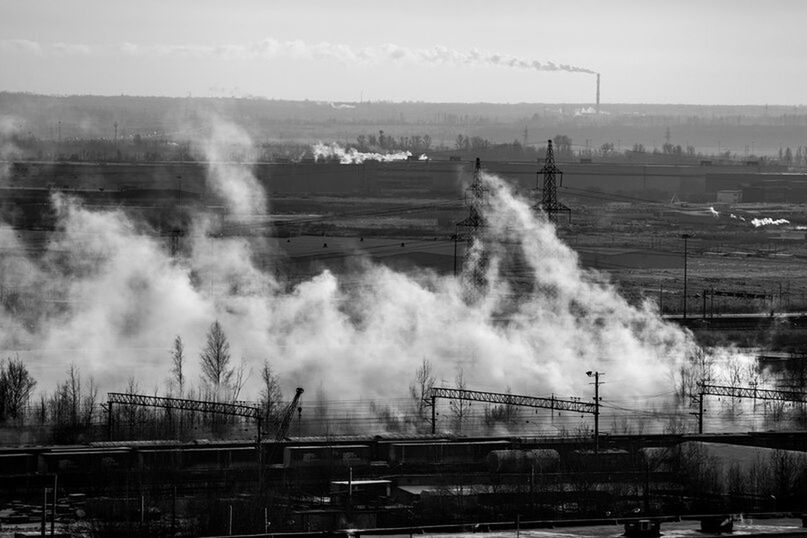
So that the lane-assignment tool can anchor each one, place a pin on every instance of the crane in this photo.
(288, 414)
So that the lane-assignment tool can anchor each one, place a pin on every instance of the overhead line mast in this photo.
(549, 203)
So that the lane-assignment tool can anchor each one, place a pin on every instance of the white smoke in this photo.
(234, 183)
(767, 221)
(121, 300)
(301, 50)
(8, 128)
(353, 156)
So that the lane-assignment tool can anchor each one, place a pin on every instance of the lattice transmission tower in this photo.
(552, 177)
(469, 230)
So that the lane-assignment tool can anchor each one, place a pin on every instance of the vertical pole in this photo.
(434, 415)
(174, 513)
(704, 304)
(53, 506)
(259, 449)
(44, 510)
(700, 412)
(109, 422)
(596, 413)
(350, 488)
(456, 238)
(230, 524)
(685, 276)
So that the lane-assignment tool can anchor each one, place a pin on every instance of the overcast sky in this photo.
(698, 51)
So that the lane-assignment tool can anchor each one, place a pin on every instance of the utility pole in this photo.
(596, 375)
(456, 238)
(434, 414)
(685, 237)
(53, 505)
(700, 412)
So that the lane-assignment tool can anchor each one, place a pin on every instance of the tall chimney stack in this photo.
(598, 93)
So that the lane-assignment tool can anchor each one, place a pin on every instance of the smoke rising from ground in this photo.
(107, 296)
(353, 156)
(8, 129)
(234, 184)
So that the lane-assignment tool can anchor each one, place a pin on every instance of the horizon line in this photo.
(384, 101)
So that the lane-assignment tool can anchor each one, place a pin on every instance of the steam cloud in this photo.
(767, 221)
(353, 156)
(7, 147)
(107, 296)
(297, 49)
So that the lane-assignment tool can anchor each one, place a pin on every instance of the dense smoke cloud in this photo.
(297, 49)
(107, 296)
(353, 156)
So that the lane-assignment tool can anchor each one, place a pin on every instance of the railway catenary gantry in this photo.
(755, 393)
(557, 404)
(182, 404)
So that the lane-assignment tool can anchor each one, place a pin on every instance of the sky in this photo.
(647, 51)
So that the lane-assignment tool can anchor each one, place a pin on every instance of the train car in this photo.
(445, 453)
(605, 461)
(84, 460)
(205, 459)
(520, 461)
(326, 456)
(17, 464)
(242, 457)
(155, 459)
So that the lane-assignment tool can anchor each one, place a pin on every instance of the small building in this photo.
(729, 197)
(359, 491)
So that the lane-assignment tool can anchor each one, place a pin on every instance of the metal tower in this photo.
(549, 198)
(470, 228)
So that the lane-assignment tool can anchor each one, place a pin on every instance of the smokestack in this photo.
(598, 93)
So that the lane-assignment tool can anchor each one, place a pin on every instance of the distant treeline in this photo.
(158, 128)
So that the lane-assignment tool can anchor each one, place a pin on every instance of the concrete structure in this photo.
(729, 197)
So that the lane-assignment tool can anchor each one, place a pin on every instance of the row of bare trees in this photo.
(221, 379)
(72, 409)
(420, 390)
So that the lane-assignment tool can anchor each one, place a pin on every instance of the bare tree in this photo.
(271, 394)
(460, 409)
(73, 386)
(178, 364)
(16, 385)
(238, 378)
(505, 413)
(89, 402)
(420, 388)
(215, 358)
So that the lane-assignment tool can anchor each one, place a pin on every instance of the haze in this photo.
(723, 52)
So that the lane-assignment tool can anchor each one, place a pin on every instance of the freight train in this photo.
(381, 454)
